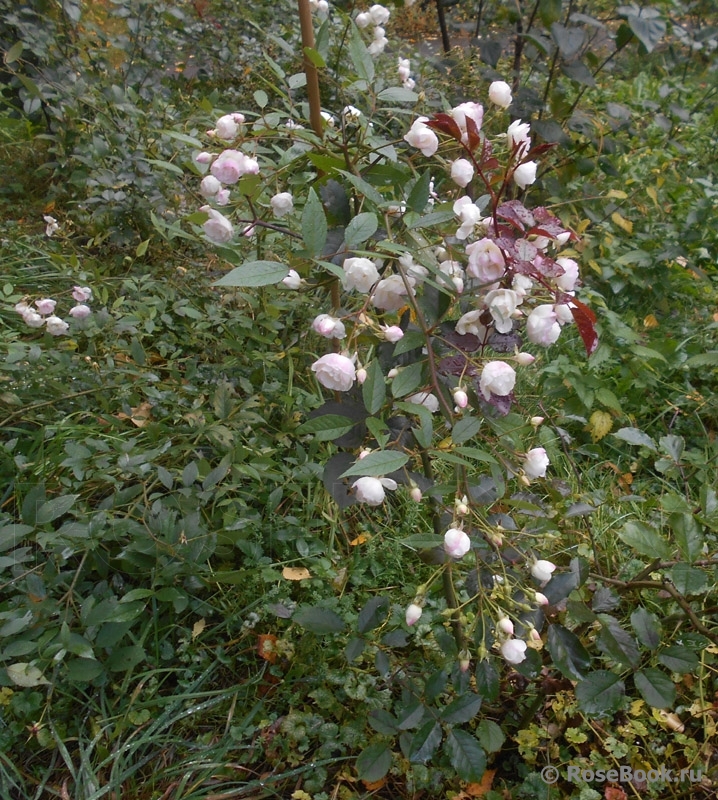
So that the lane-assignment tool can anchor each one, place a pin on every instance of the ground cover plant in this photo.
(358, 431)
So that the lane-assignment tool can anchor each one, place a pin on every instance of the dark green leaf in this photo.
(377, 464)
(645, 540)
(12, 535)
(419, 194)
(490, 736)
(55, 508)
(361, 228)
(616, 642)
(411, 716)
(423, 541)
(569, 655)
(83, 670)
(319, 620)
(466, 755)
(656, 688)
(466, 428)
(601, 693)
(332, 425)
(373, 614)
(688, 535)
(124, 658)
(355, 647)
(314, 225)
(361, 59)
(411, 340)
(425, 742)
(14, 53)
(397, 94)
(463, 709)
(382, 722)
(635, 436)
(678, 659)
(569, 40)
(647, 628)
(374, 762)
(408, 380)
(709, 359)
(374, 387)
(689, 580)
(363, 187)
(254, 273)
(487, 680)
(646, 27)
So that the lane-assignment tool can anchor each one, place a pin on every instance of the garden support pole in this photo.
(446, 44)
(310, 70)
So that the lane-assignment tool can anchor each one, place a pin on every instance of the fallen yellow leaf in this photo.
(295, 573)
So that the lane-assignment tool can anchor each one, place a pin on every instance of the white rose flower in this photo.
(519, 137)
(525, 174)
(426, 399)
(209, 186)
(563, 313)
(45, 305)
(542, 326)
(486, 261)
(500, 94)
(470, 323)
(514, 651)
(498, 378)
(227, 127)
(231, 165)
(568, 280)
(360, 274)
(56, 326)
(329, 327)
(371, 490)
(292, 281)
(470, 217)
(390, 293)
(51, 225)
(462, 171)
(422, 137)
(379, 14)
(335, 372)
(363, 20)
(542, 570)
(282, 204)
(218, 229)
(456, 543)
(392, 333)
(535, 463)
(502, 304)
(32, 319)
(80, 311)
(376, 47)
(81, 293)
(473, 111)
(522, 285)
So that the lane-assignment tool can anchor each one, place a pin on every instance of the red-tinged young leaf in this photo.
(490, 163)
(549, 268)
(539, 149)
(517, 214)
(473, 135)
(525, 250)
(446, 124)
(585, 321)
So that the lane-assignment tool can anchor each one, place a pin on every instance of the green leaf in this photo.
(26, 675)
(373, 614)
(656, 688)
(601, 693)
(408, 380)
(617, 643)
(377, 464)
(83, 670)
(374, 762)
(361, 228)
(319, 620)
(688, 580)
(678, 659)
(411, 716)
(314, 225)
(260, 98)
(374, 388)
(382, 721)
(425, 742)
(645, 24)
(355, 647)
(479, 455)
(423, 541)
(569, 655)
(709, 359)
(363, 187)
(360, 56)
(647, 628)
(14, 53)
(330, 425)
(487, 680)
(569, 40)
(125, 658)
(12, 535)
(315, 57)
(411, 340)
(463, 709)
(254, 273)
(645, 540)
(549, 11)
(466, 428)
(419, 194)
(490, 736)
(54, 508)
(687, 534)
(466, 756)
(397, 94)
(635, 436)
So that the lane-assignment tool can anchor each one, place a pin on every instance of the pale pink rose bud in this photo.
(413, 613)
(505, 626)
(500, 94)
(415, 494)
(542, 326)
(541, 599)
(568, 280)
(328, 118)
(375, 48)
(222, 197)
(525, 174)
(392, 373)
(392, 333)
(81, 293)
(456, 543)
(534, 635)
(282, 204)
(56, 326)
(364, 453)
(464, 111)
(379, 14)
(525, 359)
(497, 378)
(209, 186)
(335, 372)
(22, 307)
(361, 375)
(329, 327)
(536, 421)
(360, 274)
(292, 281)
(403, 68)
(535, 463)
(422, 137)
(562, 238)
(204, 158)
(32, 319)
(218, 229)
(464, 661)
(363, 20)
(227, 127)
(45, 305)
(461, 507)
(461, 398)
(541, 570)
(426, 399)
(462, 171)
(80, 311)
(513, 651)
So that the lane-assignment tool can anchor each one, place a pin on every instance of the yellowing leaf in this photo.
(363, 537)
(295, 573)
(26, 675)
(595, 266)
(140, 416)
(622, 222)
(618, 194)
(197, 628)
(599, 425)
(651, 192)
(650, 321)
(480, 789)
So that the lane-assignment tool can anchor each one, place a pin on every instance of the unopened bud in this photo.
(461, 398)
(541, 599)
(392, 373)
(505, 626)
(524, 359)
(536, 421)
(464, 660)
(413, 613)
(461, 507)
(361, 375)
(415, 494)
(364, 453)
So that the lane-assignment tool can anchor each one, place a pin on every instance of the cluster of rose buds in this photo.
(377, 16)
(42, 312)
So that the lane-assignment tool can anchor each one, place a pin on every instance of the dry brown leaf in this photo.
(372, 786)
(295, 574)
(480, 789)
(613, 793)
(197, 628)
(361, 539)
(140, 416)
(266, 647)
